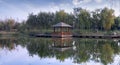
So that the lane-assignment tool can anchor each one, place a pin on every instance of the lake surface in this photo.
(59, 51)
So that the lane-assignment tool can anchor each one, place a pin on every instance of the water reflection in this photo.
(61, 44)
(7, 43)
(77, 50)
(86, 49)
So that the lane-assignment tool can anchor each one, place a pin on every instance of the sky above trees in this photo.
(19, 9)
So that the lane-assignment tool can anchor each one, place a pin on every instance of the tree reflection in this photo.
(79, 50)
(7, 43)
(39, 47)
(106, 54)
(49, 48)
(86, 49)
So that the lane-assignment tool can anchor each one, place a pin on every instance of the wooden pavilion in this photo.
(62, 30)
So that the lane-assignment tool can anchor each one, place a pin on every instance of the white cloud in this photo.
(77, 2)
(98, 1)
(63, 6)
(29, 8)
(117, 11)
(20, 12)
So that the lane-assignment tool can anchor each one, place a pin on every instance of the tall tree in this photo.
(61, 16)
(117, 23)
(96, 24)
(45, 19)
(32, 21)
(84, 19)
(107, 18)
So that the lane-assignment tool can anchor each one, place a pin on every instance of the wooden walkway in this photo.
(97, 36)
(79, 36)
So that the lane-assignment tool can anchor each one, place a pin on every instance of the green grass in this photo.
(76, 31)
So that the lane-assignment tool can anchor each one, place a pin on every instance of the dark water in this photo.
(59, 51)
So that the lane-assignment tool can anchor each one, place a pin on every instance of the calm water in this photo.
(59, 51)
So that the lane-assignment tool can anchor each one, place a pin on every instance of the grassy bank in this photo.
(48, 31)
(74, 31)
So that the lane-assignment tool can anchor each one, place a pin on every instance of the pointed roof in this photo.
(61, 24)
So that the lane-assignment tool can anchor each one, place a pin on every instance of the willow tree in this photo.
(107, 18)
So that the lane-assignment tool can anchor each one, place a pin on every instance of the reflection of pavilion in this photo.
(62, 44)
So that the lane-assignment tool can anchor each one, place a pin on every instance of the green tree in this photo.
(107, 16)
(84, 19)
(96, 24)
(61, 16)
(45, 20)
(117, 23)
(32, 21)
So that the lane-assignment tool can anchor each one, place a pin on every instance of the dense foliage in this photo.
(8, 25)
(100, 19)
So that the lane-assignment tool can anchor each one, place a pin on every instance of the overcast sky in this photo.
(19, 9)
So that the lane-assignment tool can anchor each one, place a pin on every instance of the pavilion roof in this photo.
(61, 24)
